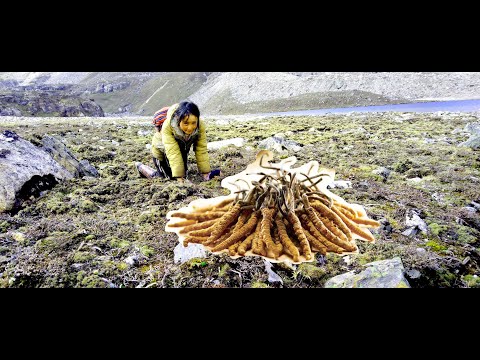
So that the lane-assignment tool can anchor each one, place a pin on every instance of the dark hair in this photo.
(186, 108)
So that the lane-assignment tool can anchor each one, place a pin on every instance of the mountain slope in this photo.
(143, 93)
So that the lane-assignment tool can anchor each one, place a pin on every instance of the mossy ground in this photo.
(80, 233)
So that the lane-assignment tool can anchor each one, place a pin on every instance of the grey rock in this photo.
(378, 274)
(473, 128)
(339, 184)
(473, 142)
(414, 220)
(272, 276)
(182, 254)
(67, 159)
(421, 251)
(23, 162)
(412, 231)
(132, 260)
(413, 274)
(382, 171)
(279, 144)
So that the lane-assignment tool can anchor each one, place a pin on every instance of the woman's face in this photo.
(188, 124)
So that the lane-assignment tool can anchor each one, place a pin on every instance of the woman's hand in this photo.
(210, 175)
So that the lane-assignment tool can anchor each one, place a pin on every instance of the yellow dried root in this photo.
(227, 218)
(199, 216)
(241, 220)
(331, 246)
(202, 232)
(318, 245)
(331, 215)
(346, 208)
(183, 223)
(317, 238)
(330, 225)
(276, 240)
(239, 234)
(368, 222)
(258, 246)
(246, 244)
(359, 220)
(221, 206)
(273, 250)
(225, 235)
(194, 239)
(232, 250)
(354, 227)
(198, 226)
(288, 245)
(298, 231)
(320, 226)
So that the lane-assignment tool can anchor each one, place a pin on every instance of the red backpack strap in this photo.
(160, 116)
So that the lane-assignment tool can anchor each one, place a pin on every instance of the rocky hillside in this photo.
(142, 93)
(47, 103)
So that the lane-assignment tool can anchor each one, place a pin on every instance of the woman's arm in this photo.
(201, 152)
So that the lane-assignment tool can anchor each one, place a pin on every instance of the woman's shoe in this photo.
(145, 170)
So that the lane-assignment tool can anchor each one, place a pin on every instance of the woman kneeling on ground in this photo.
(175, 133)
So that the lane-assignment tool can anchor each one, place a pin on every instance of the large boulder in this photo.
(25, 170)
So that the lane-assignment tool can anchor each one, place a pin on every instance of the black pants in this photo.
(163, 166)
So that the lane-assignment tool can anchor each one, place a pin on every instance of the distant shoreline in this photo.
(243, 117)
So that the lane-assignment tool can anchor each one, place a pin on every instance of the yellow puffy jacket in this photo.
(171, 141)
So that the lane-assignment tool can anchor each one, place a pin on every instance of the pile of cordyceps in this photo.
(276, 212)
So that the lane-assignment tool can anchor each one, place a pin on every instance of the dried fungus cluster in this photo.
(274, 211)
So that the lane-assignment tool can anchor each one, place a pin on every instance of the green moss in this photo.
(92, 281)
(211, 184)
(58, 204)
(403, 166)
(88, 206)
(145, 268)
(259, 284)
(196, 262)
(147, 250)
(465, 235)
(122, 266)
(446, 278)
(223, 270)
(47, 244)
(472, 281)
(4, 225)
(435, 246)
(82, 256)
(309, 271)
(20, 238)
(89, 237)
(436, 229)
(150, 216)
(119, 243)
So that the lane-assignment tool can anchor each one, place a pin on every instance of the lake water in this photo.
(431, 106)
